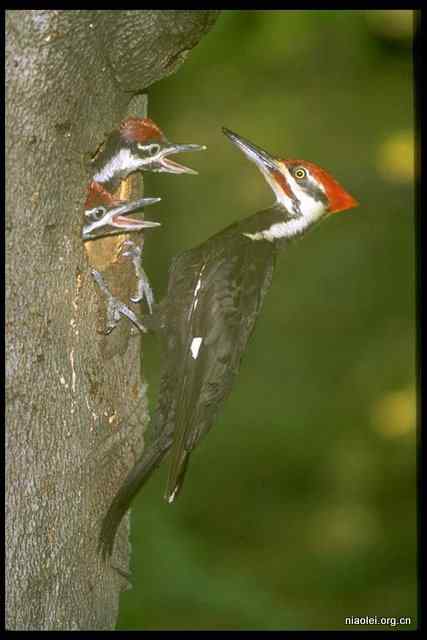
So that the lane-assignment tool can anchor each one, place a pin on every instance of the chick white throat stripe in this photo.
(124, 160)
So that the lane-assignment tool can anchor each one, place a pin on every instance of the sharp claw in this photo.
(125, 311)
(100, 281)
(143, 285)
(115, 308)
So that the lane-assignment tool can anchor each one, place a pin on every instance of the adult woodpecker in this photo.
(138, 144)
(215, 294)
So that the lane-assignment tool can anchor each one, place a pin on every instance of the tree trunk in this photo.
(76, 405)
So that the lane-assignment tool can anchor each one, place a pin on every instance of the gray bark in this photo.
(75, 402)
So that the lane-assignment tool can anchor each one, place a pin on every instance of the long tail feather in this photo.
(176, 478)
(140, 473)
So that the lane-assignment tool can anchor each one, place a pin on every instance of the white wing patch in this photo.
(195, 347)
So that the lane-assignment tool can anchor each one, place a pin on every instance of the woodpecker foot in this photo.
(143, 285)
(104, 221)
(115, 308)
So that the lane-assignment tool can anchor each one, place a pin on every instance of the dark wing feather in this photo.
(228, 284)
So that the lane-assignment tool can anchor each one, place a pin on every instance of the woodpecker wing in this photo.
(215, 293)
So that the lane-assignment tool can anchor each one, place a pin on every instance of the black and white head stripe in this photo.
(303, 197)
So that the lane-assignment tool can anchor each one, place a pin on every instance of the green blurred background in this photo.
(299, 508)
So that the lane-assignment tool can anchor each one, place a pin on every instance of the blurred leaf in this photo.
(396, 157)
(395, 24)
(394, 414)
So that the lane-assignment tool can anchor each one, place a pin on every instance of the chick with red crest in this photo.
(138, 144)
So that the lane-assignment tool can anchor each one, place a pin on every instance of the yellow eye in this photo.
(300, 173)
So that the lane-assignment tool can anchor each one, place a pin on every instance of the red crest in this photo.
(339, 198)
(140, 130)
(97, 196)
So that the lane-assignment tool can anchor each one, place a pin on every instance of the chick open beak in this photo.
(103, 222)
(170, 166)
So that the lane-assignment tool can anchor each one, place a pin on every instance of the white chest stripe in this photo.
(280, 230)
(286, 229)
(195, 346)
(124, 160)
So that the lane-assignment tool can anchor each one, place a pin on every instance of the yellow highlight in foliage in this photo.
(396, 157)
(395, 24)
(338, 530)
(394, 414)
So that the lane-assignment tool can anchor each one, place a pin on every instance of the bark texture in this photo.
(75, 401)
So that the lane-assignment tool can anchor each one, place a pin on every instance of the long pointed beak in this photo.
(170, 166)
(261, 158)
(274, 171)
(117, 217)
